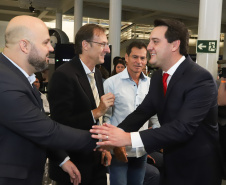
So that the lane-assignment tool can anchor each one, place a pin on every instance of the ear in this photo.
(126, 57)
(175, 45)
(85, 45)
(24, 46)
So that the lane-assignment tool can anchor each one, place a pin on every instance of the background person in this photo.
(119, 66)
(129, 87)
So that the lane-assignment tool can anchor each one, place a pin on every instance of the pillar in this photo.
(209, 29)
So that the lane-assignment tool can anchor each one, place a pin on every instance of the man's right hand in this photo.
(106, 101)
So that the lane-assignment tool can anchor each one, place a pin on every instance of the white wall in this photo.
(68, 28)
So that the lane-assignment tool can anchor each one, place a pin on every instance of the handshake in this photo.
(112, 137)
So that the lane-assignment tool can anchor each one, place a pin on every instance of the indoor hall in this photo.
(125, 21)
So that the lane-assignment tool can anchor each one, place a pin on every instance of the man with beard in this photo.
(25, 131)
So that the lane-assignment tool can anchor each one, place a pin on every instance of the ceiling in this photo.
(136, 11)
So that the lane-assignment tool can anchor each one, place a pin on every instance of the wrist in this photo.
(96, 113)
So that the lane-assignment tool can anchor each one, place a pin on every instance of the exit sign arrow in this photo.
(201, 46)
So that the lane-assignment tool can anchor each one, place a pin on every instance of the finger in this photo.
(99, 127)
(102, 158)
(99, 136)
(98, 131)
(104, 143)
(76, 174)
(75, 181)
(106, 126)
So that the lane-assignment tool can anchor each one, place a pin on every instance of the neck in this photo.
(135, 76)
(87, 62)
(19, 60)
(171, 62)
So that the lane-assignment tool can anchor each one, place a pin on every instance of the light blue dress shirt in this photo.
(128, 96)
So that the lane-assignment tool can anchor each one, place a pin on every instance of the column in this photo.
(115, 28)
(78, 12)
(59, 19)
(224, 49)
(209, 29)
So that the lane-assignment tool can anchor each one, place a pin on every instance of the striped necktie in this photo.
(95, 93)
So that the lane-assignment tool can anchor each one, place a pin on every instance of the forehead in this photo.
(158, 32)
(138, 52)
(99, 36)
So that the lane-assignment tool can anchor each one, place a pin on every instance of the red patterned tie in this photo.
(164, 78)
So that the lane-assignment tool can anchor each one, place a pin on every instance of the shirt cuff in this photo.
(65, 160)
(93, 117)
(136, 140)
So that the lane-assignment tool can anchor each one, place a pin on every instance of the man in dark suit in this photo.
(187, 112)
(25, 131)
(72, 101)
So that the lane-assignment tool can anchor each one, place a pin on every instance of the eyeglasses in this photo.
(102, 44)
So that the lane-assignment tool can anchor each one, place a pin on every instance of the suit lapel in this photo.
(83, 80)
(178, 75)
(21, 76)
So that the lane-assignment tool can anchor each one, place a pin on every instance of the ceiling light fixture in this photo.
(31, 8)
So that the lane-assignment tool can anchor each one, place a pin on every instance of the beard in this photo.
(38, 62)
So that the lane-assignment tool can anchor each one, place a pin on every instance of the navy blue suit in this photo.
(189, 131)
(26, 132)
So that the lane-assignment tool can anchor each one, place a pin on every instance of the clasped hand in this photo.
(110, 135)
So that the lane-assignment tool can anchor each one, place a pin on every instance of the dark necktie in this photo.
(164, 78)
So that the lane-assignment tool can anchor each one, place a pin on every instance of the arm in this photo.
(29, 122)
(222, 92)
(198, 109)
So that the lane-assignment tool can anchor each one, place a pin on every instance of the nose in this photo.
(107, 49)
(150, 46)
(51, 48)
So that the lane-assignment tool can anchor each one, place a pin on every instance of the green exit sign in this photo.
(206, 46)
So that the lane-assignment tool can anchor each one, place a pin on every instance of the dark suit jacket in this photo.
(26, 132)
(189, 131)
(71, 101)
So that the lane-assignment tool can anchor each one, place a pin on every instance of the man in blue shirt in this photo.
(129, 87)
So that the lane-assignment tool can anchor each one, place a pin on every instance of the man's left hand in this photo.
(72, 170)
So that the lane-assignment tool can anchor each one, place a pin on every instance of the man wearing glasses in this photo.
(77, 99)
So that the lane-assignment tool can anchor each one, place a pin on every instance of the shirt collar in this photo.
(87, 70)
(175, 66)
(31, 78)
(125, 75)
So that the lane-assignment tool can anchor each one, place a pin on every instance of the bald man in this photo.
(25, 131)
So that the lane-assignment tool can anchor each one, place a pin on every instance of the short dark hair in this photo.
(176, 31)
(86, 32)
(135, 44)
